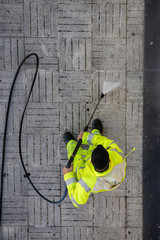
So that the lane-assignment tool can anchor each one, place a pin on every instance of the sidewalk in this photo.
(80, 43)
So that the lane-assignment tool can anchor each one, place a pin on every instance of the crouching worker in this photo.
(100, 168)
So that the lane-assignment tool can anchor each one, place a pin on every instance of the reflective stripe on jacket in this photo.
(85, 179)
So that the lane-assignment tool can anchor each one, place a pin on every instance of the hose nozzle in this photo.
(102, 95)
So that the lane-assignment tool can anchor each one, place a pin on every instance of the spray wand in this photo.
(107, 87)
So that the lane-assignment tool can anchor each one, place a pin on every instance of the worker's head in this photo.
(100, 158)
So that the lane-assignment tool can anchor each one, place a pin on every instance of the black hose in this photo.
(20, 134)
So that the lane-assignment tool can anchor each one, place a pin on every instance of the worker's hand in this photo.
(80, 136)
(67, 170)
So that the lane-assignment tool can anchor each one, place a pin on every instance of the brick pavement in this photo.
(80, 43)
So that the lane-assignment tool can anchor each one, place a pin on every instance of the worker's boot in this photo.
(97, 124)
(67, 137)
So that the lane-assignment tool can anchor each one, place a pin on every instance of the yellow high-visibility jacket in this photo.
(85, 180)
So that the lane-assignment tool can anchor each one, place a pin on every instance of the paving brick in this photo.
(135, 87)
(82, 116)
(42, 213)
(46, 49)
(135, 11)
(10, 233)
(2, 117)
(40, 18)
(48, 233)
(113, 213)
(46, 87)
(12, 149)
(77, 217)
(134, 233)
(75, 86)
(81, 27)
(134, 56)
(43, 149)
(109, 55)
(14, 119)
(46, 121)
(109, 19)
(76, 114)
(77, 233)
(133, 181)
(113, 234)
(6, 83)
(15, 211)
(75, 54)
(73, 120)
(134, 212)
(134, 118)
(43, 179)
(11, 23)
(12, 52)
(135, 5)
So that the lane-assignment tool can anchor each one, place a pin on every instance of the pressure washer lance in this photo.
(107, 87)
(85, 130)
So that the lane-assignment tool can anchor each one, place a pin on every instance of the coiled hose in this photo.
(20, 135)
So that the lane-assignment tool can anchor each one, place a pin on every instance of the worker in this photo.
(100, 168)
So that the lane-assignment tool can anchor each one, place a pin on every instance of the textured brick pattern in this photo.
(11, 23)
(14, 208)
(40, 18)
(80, 44)
(109, 19)
(74, 20)
(11, 52)
(46, 49)
(75, 54)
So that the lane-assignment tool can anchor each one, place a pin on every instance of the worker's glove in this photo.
(67, 170)
(80, 136)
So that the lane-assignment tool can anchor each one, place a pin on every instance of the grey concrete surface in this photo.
(80, 43)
